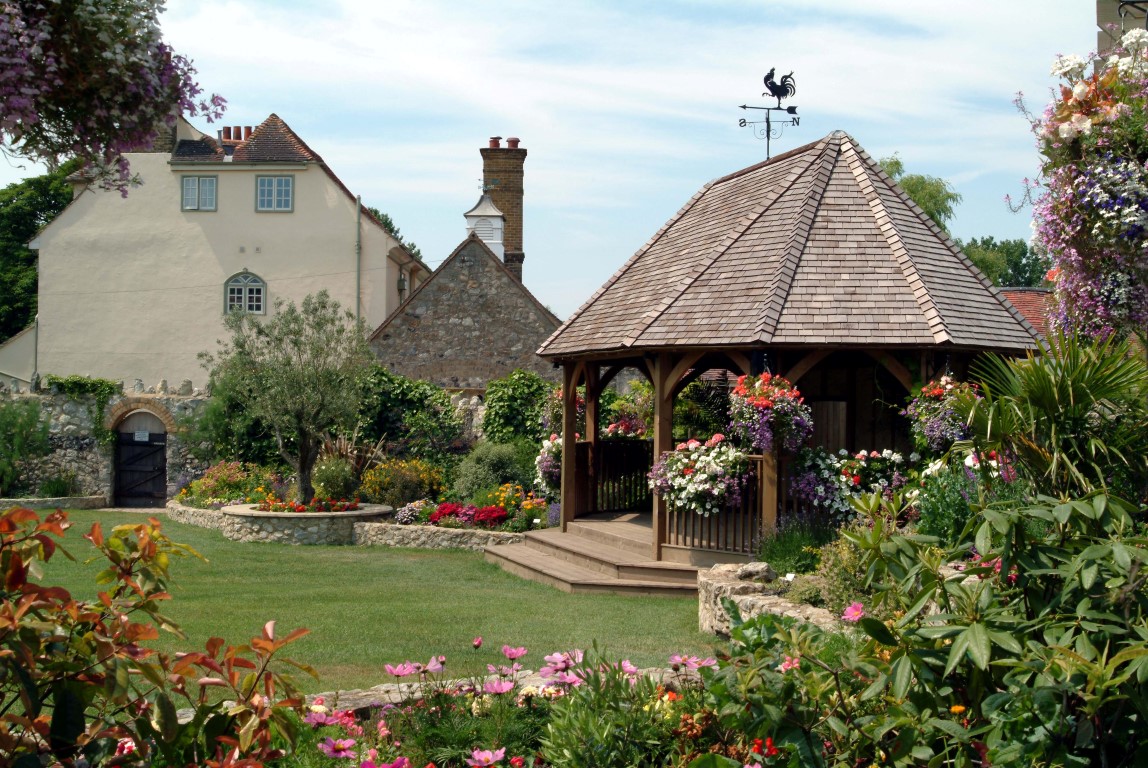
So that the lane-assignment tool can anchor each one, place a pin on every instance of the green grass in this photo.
(370, 606)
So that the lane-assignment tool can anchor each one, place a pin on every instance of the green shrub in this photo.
(224, 429)
(701, 409)
(334, 478)
(415, 417)
(25, 436)
(61, 485)
(794, 547)
(491, 465)
(397, 482)
(514, 406)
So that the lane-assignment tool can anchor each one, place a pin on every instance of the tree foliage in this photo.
(25, 208)
(389, 225)
(91, 80)
(1007, 263)
(25, 436)
(514, 406)
(299, 372)
(932, 194)
(415, 417)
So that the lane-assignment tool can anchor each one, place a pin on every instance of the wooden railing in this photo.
(737, 529)
(616, 478)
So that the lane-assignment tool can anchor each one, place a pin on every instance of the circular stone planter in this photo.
(241, 522)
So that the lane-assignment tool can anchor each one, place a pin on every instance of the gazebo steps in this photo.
(592, 558)
(532, 564)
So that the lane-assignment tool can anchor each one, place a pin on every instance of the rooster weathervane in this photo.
(768, 129)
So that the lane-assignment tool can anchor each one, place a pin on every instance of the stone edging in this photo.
(431, 537)
(744, 584)
(203, 518)
(57, 502)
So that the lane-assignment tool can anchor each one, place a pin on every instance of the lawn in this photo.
(369, 606)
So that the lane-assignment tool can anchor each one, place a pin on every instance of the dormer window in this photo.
(275, 193)
(198, 193)
(246, 293)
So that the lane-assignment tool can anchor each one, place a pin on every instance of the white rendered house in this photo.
(136, 287)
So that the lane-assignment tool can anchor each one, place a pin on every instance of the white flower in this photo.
(1067, 131)
(1068, 66)
(1080, 90)
(1082, 123)
(1135, 40)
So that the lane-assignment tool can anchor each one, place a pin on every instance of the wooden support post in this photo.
(663, 437)
(767, 492)
(569, 443)
(593, 392)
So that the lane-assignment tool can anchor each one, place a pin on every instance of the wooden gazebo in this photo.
(814, 265)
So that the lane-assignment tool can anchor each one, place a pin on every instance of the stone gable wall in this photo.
(469, 324)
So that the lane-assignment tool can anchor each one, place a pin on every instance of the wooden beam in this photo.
(681, 368)
(767, 492)
(805, 364)
(893, 366)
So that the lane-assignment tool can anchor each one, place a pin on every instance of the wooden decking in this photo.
(607, 552)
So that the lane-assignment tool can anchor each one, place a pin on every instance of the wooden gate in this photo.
(141, 463)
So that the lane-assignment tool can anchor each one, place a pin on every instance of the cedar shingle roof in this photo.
(816, 246)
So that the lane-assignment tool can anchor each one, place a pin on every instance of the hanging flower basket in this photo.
(769, 413)
(703, 477)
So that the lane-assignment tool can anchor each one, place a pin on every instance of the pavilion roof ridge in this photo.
(732, 236)
(787, 265)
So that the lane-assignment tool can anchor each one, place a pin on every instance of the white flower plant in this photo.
(702, 477)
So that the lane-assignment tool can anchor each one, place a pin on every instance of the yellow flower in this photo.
(957, 709)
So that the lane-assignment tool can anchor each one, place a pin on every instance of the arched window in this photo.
(246, 293)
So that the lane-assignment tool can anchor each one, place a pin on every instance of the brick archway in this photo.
(129, 405)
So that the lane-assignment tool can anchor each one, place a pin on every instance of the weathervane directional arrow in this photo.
(768, 128)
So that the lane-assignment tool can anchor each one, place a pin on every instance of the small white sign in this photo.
(790, 576)
(141, 435)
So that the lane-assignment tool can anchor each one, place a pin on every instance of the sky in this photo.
(627, 108)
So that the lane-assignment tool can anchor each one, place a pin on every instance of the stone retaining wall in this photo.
(57, 502)
(204, 518)
(241, 523)
(431, 537)
(745, 584)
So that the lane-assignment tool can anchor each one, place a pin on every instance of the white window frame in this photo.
(245, 292)
(199, 193)
(275, 194)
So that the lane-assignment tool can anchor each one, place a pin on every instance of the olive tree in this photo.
(299, 371)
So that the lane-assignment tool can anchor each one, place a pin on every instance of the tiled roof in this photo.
(206, 149)
(816, 246)
(274, 141)
(1034, 303)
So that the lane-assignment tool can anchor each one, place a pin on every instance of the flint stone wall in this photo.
(241, 523)
(431, 537)
(469, 323)
(203, 518)
(745, 585)
(74, 449)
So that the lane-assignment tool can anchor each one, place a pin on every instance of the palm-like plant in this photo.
(1073, 417)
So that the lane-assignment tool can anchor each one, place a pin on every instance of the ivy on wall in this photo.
(98, 393)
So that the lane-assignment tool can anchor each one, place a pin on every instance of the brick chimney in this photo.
(502, 178)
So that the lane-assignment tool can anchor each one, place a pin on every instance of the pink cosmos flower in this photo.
(791, 662)
(854, 612)
(690, 662)
(628, 668)
(317, 719)
(435, 664)
(337, 747)
(402, 670)
(484, 757)
(498, 687)
(477, 642)
(513, 653)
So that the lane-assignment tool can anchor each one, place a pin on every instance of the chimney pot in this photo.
(512, 142)
(494, 142)
(246, 132)
(227, 133)
(237, 133)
